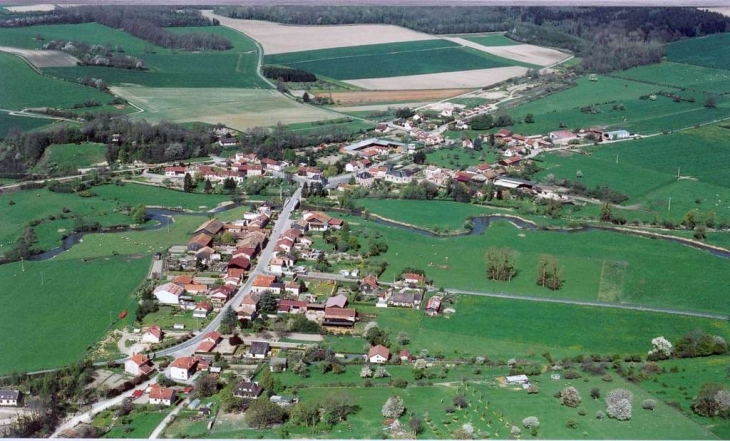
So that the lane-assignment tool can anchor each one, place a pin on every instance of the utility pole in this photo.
(22, 264)
(670, 204)
(42, 279)
(616, 158)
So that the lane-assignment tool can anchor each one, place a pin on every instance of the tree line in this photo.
(145, 22)
(96, 54)
(288, 74)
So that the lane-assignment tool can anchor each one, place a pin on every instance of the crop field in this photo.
(318, 126)
(489, 39)
(21, 87)
(410, 98)
(237, 108)
(607, 95)
(42, 59)
(277, 38)
(710, 51)
(23, 123)
(458, 262)
(699, 78)
(522, 54)
(73, 155)
(65, 306)
(390, 60)
(469, 79)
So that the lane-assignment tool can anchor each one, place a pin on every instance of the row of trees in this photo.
(96, 54)
(288, 74)
(502, 266)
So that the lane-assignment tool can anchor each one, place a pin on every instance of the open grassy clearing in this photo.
(490, 39)
(685, 195)
(523, 54)
(377, 62)
(134, 194)
(143, 422)
(23, 123)
(703, 79)
(459, 158)
(73, 155)
(237, 108)
(458, 262)
(607, 95)
(318, 126)
(21, 87)
(55, 309)
(709, 51)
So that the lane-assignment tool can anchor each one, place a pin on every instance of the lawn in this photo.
(607, 95)
(390, 60)
(73, 155)
(55, 309)
(143, 422)
(21, 87)
(710, 51)
(23, 123)
(458, 262)
(458, 158)
(134, 194)
(167, 68)
(490, 40)
(699, 78)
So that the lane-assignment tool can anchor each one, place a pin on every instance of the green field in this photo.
(23, 123)
(73, 155)
(390, 60)
(143, 422)
(167, 68)
(21, 87)
(134, 194)
(446, 215)
(458, 262)
(55, 309)
(641, 116)
(685, 76)
(710, 51)
(458, 158)
(313, 127)
(490, 40)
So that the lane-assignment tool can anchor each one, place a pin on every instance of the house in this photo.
(219, 296)
(414, 279)
(248, 390)
(175, 171)
(433, 306)
(227, 141)
(199, 241)
(287, 306)
(162, 395)
(210, 227)
(9, 397)
(196, 288)
(406, 299)
(318, 221)
(562, 136)
(503, 133)
(378, 354)
(345, 317)
(239, 262)
(169, 293)
(182, 280)
(263, 283)
(152, 335)
(258, 350)
(271, 164)
(206, 253)
(518, 379)
(183, 368)
(398, 176)
(338, 301)
(369, 285)
(278, 364)
(467, 143)
(512, 161)
(138, 364)
(202, 310)
(405, 355)
(364, 178)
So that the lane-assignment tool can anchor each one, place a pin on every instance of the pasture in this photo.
(237, 108)
(458, 262)
(710, 51)
(354, 126)
(133, 194)
(489, 39)
(73, 155)
(65, 307)
(23, 123)
(390, 60)
(277, 38)
(22, 87)
(459, 158)
(685, 76)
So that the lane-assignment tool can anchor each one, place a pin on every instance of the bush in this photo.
(531, 422)
(571, 424)
(648, 404)
(582, 412)
(607, 378)
(600, 415)
(595, 393)
(570, 397)
(618, 404)
(571, 374)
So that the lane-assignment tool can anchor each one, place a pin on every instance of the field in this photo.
(65, 306)
(607, 95)
(710, 51)
(22, 87)
(277, 38)
(524, 54)
(236, 108)
(426, 215)
(23, 123)
(142, 425)
(354, 126)
(73, 155)
(458, 262)
(702, 79)
(390, 60)
(459, 158)
(42, 59)
(489, 39)
(406, 97)
(133, 194)
(469, 79)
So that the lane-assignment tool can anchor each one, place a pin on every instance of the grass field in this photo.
(65, 306)
(490, 39)
(145, 194)
(641, 116)
(318, 126)
(237, 108)
(458, 262)
(23, 123)
(458, 158)
(167, 68)
(21, 87)
(390, 60)
(426, 214)
(142, 425)
(73, 155)
(702, 79)
(710, 51)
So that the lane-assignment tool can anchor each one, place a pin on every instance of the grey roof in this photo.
(371, 141)
(405, 297)
(278, 361)
(364, 175)
(248, 388)
(259, 347)
(7, 394)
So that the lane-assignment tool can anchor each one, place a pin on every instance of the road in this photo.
(263, 261)
(166, 421)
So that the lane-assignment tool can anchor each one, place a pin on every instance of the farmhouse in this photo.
(562, 136)
(175, 171)
(616, 135)
(512, 161)
(162, 395)
(369, 285)
(183, 368)
(407, 298)
(287, 306)
(433, 306)
(152, 335)
(378, 354)
(210, 227)
(9, 397)
(338, 301)
(169, 293)
(414, 279)
(138, 364)
(199, 241)
(258, 350)
(247, 390)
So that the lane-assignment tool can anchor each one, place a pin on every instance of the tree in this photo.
(306, 98)
(419, 157)
(501, 264)
(393, 407)
(712, 400)
(606, 213)
(648, 404)
(595, 393)
(460, 402)
(570, 397)
(263, 413)
(267, 302)
(229, 185)
(376, 336)
(710, 102)
(229, 321)
(531, 422)
(416, 425)
(477, 143)
(139, 213)
(208, 186)
(548, 272)
(529, 118)
(618, 404)
(306, 414)
(381, 372)
(366, 372)
(662, 348)
(188, 183)
(206, 386)
(402, 338)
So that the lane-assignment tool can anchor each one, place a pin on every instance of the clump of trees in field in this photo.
(96, 54)
(501, 264)
(548, 273)
(712, 400)
(486, 121)
(288, 74)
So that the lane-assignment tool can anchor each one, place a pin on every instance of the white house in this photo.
(137, 365)
(169, 293)
(9, 397)
(378, 354)
(152, 335)
(398, 177)
(183, 368)
(162, 395)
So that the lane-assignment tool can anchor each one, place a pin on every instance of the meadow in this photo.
(458, 262)
(73, 155)
(683, 76)
(23, 123)
(459, 158)
(65, 307)
(430, 215)
(22, 87)
(391, 60)
(143, 422)
(133, 194)
(709, 51)
(490, 40)
(313, 127)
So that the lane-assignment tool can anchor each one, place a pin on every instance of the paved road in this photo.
(164, 423)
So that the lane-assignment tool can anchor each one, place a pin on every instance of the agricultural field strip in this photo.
(523, 53)
(680, 75)
(41, 58)
(445, 80)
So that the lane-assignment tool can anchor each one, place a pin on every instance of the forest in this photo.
(607, 39)
(288, 74)
(147, 23)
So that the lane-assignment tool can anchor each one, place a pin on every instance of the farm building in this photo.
(616, 135)
(562, 136)
(162, 395)
(169, 293)
(9, 397)
(372, 143)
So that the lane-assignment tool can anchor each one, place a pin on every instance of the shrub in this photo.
(532, 389)
(648, 404)
(600, 415)
(571, 375)
(582, 412)
(531, 422)
(515, 431)
(393, 407)
(712, 399)
(662, 348)
(595, 393)
(570, 397)
(607, 378)
(620, 410)
(571, 424)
